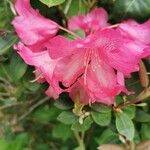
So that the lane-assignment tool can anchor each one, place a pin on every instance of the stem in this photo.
(68, 31)
(33, 108)
(143, 95)
(80, 140)
(10, 105)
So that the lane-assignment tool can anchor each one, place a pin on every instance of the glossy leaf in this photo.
(102, 119)
(17, 67)
(60, 130)
(142, 116)
(145, 131)
(51, 3)
(64, 102)
(6, 41)
(131, 9)
(130, 111)
(67, 117)
(82, 127)
(125, 125)
(74, 7)
(101, 108)
(107, 136)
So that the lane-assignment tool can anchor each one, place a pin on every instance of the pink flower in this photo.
(139, 32)
(96, 19)
(31, 27)
(94, 61)
(93, 67)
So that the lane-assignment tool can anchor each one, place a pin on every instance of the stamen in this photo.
(37, 78)
(86, 63)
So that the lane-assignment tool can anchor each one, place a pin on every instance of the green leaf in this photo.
(107, 136)
(101, 108)
(125, 125)
(145, 131)
(62, 132)
(19, 142)
(102, 119)
(7, 14)
(130, 111)
(45, 114)
(64, 103)
(142, 116)
(76, 7)
(6, 41)
(51, 3)
(82, 127)
(17, 67)
(67, 117)
(131, 9)
(119, 100)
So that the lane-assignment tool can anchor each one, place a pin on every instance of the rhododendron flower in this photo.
(96, 19)
(93, 67)
(31, 27)
(95, 60)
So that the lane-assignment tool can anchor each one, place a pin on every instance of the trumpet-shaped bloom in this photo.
(32, 28)
(93, 67)
(95, 61)
(96, 19)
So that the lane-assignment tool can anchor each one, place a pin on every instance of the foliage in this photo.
(31, 121)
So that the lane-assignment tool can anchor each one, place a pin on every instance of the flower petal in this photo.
(60, 46)
(31, 27)
(140, 32)
(70, 68)
(121, 53)
(102, 82)
(93, 21)
(40, 60)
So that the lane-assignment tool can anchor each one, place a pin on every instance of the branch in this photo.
(143, 95)
(33, 108)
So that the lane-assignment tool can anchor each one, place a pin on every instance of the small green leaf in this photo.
(130, 111)
(74, 8)
(125, 125)
(51, 3)
(119, 100)
(17, 67)
(45, 114)
(102, 119)
(82, 127)
(67, 117)
(101, 108)
(107, 136)
(64, 103)
(6, 42)
(62, 132)
(142, 116)
(145, 131)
